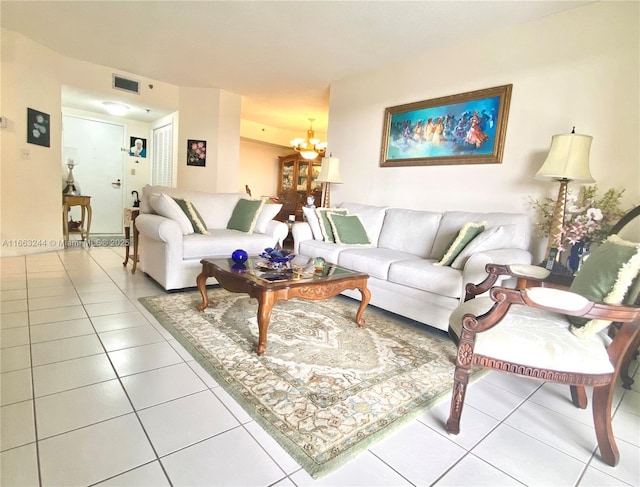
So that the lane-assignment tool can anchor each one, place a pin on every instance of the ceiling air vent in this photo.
(130, 85)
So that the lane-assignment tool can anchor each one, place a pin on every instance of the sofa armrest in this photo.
(301, 231)
(474, 270)
(159, 228)
(277, 229)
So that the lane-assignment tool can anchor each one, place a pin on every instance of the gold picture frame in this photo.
(468, 128)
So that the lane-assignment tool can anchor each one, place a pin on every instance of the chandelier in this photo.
(309, 148)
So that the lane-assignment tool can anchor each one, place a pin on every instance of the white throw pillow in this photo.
(164, 205)
(493, 238)
(268, 213)
(312, 219)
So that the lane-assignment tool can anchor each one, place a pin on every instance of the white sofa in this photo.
(171, 255)
(405, 244)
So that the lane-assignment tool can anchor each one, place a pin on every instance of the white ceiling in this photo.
(281, 56)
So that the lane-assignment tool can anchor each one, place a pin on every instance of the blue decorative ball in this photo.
(239, 256)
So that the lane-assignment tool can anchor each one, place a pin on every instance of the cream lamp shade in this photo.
(329, 173)
(330, 170)
(568, 158)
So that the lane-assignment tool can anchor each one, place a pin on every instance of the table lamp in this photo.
(329, 173)
(71, 160)
(567, 160)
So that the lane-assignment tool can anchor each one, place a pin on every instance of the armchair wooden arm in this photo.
(519, 271)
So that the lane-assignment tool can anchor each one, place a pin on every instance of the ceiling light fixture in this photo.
(114, 108)
(309, 148)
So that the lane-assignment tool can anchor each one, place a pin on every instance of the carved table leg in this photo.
(126, 245)
(366, 296)
(136, 236)
(201, 281)
(265, 305)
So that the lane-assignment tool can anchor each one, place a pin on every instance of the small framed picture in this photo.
(196, 152)
(38, 130)
(138, 147)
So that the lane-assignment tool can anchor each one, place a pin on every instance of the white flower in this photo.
(594, 214)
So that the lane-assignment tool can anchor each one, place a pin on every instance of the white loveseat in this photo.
(405, 244)
(170, 252)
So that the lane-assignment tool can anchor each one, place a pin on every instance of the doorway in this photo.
(100, 169)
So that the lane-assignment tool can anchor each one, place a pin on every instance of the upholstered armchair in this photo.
(552, 334)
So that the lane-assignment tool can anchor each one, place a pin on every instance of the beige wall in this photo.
(579, 67)
(259, 166)
(212, 115)
(31, 214)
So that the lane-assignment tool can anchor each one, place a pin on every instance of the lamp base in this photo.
(71, 189)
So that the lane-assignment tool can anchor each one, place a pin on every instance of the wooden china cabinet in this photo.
(297, 180)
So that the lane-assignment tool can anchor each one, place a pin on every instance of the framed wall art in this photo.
(196, 152)
(38, 130)
(468, 128)
(138, 147)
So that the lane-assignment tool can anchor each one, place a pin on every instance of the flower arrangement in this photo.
(588, 217)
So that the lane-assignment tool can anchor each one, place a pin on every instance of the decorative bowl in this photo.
(277, 257)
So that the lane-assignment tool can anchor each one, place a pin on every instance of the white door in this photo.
(99, 172)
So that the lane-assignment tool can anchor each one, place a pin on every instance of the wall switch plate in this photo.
(25, 153)
(133, 172)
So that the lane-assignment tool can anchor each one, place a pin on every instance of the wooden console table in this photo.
(85, 220)
(130, 215)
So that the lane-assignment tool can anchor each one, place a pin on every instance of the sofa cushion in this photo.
(312, 219)
(192, 214)
(222, 242)
(329, 251)
(348, 229)
(422, 274)
(452, 222)
(215, 208)
(164, 205)
(325, 224)
(534, 337)
(245, 215)
(372, 218)
(606, 277)
(372, 260)
(409, 231)
(500, 237)
(268, 213)
(467, 233)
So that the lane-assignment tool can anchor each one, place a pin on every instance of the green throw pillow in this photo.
(348, 229)
(467, 233)
(192, 214)
(325, 224)
(607, 276)
(245, 215)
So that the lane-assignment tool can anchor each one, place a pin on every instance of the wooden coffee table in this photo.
(322, 285)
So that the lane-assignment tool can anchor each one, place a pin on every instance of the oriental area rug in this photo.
(325, 389)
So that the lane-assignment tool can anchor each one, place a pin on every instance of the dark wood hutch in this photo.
(297, 180)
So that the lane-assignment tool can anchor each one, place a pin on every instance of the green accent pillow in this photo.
(325, 224)
(245, 215)
(467, 233)
(607, 276)
(192, 214)
(348, 229)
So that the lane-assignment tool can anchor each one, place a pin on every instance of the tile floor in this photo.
(95, 392)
